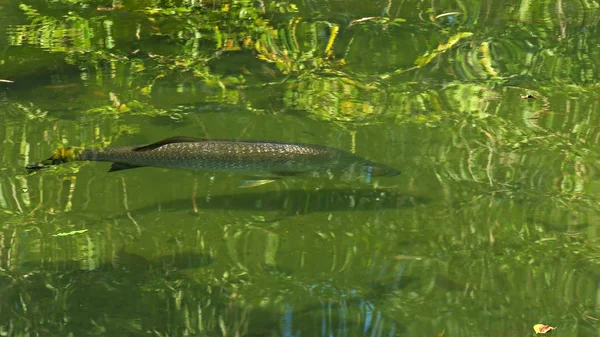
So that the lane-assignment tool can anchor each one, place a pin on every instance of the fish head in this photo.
(371, 170)
(367, 170)
(380, 170)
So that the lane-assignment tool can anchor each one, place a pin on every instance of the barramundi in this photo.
(257, 158)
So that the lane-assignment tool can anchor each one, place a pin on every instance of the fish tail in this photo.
(68, 154)
(60, 156)
(64, 155)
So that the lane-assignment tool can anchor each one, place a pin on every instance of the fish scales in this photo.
(239, 156)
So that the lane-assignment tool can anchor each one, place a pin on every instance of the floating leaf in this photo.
(71, 233)
(542, 328)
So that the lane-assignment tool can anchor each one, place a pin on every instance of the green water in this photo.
(490, 228)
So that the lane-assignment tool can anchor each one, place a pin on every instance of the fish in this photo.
(265, 159)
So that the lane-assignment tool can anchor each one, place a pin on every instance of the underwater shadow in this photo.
(295, 202)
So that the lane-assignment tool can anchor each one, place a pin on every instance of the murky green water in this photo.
(490, 228)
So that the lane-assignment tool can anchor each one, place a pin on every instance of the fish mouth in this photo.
(383, 171)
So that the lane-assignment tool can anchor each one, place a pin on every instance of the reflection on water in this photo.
(95, 288)
(128, 262)
(130, 297)
(332, 260)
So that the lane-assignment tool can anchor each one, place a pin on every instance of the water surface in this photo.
(490, 228)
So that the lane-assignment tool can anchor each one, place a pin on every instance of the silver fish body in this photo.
(250, 157)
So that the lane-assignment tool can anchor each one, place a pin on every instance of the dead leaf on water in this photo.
(542, 328)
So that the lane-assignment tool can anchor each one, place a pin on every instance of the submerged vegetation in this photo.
(489, 108)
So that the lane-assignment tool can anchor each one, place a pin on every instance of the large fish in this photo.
(258, 158)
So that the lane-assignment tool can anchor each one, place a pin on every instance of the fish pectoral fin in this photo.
(122, 166)
(288, 173)
(170, 140)
(248, 183)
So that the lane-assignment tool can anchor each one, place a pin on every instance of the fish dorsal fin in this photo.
(170, 140)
